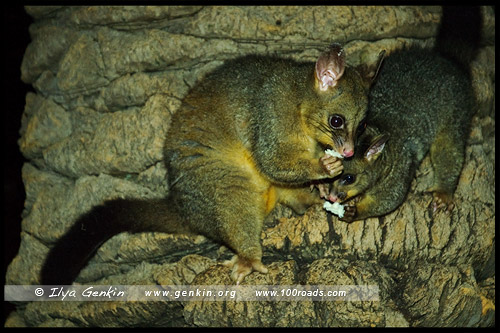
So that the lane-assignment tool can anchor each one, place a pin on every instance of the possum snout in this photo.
(348, 153)
(348, 148)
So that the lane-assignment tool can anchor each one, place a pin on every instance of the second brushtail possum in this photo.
(249, 135)
(421, 102)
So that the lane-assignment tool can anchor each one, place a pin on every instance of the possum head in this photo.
(336, 110)
(361, 172)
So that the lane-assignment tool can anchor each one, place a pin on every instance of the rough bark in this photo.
(107, 81)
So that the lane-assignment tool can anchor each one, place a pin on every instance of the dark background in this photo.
(16, 35)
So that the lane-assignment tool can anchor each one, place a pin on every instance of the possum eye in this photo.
(336, 121)
(347, 179)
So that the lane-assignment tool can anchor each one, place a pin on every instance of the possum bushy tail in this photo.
(459, 35)
(73, 250)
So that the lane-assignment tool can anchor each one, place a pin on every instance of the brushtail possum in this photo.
(249, 135)
(421, 102)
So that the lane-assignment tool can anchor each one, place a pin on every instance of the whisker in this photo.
(319, 125)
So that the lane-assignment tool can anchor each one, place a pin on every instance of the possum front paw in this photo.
(349, 213)
(242, 267)
(332, 165)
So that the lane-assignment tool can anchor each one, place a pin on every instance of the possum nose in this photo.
(348, 153)
(332, 198)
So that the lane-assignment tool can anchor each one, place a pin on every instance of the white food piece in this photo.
(333, 153)
(334, 208)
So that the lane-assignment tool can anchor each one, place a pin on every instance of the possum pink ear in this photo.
(373, 152)
(330, 67)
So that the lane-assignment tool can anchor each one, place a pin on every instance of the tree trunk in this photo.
(107, 81)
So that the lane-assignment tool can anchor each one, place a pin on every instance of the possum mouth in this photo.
(352, 201)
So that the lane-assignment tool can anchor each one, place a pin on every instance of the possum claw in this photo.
(442, 201)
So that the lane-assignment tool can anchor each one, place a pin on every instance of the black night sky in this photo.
(15, 30)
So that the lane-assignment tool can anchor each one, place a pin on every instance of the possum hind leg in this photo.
(301, 198)
(447, 158)
(241, 224)
(226, 200)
